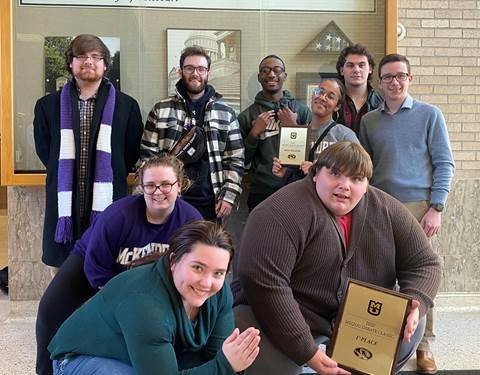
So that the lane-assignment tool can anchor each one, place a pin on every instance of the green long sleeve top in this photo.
(138, 318)
(259, 152)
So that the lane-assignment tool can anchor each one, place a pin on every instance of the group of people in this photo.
(139, 280)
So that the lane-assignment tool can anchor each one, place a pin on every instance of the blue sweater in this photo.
(122, 234)
(139, 319)
(410, 150)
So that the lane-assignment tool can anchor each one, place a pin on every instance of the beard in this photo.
(195, 85)
(88, 75)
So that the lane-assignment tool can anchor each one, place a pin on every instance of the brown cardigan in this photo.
(293, 266)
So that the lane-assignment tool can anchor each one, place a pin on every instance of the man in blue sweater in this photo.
(412, 158)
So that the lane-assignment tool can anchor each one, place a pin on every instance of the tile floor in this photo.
(457, 346)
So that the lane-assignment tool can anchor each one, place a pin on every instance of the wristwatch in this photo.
(437, 207)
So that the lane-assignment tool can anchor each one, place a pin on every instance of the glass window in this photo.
(145, 44)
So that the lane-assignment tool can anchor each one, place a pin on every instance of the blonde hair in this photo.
(164, 160)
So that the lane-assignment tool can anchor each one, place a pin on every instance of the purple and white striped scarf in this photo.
(103, 183)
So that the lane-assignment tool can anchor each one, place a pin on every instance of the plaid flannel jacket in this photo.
(164, 127)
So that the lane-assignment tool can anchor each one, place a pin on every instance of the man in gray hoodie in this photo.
(259, 125)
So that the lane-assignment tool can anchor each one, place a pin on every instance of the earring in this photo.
(335, 116)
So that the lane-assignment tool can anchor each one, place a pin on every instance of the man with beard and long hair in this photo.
(202, 130)
(87, 135)
(260, 123)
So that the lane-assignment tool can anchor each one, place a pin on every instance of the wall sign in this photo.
(245, 5)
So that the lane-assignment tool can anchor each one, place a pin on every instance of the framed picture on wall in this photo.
(306, 82)
(224, 49)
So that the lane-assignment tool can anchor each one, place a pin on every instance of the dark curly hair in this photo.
(356, 49)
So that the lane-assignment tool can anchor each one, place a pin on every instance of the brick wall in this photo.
(442, 43)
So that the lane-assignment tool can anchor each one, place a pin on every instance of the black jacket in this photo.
(126, 134)
(373, 101)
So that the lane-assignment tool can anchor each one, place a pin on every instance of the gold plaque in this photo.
(293, 145)
(369, 328)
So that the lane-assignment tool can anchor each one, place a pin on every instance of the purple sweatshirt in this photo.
(122, 234)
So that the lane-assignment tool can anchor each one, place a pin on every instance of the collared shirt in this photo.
(350, 117)
(407, 103)
(85, 108)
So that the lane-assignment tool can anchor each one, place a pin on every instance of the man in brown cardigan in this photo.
(301, 245)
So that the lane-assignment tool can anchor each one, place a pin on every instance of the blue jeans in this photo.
(89, 365)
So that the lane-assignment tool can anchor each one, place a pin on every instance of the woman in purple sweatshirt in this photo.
(128, 230)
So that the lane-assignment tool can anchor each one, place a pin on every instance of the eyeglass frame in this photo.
(320, 91)
(390, 77)
(198, 69)
(94, 58)
(163, 186)
(276, 67)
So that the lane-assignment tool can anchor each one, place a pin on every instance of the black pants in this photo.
(208, 211)
(68, 290)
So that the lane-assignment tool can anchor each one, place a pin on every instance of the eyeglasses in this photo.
(95, 58)
(164, 187)
(388, 78)
(276, 69)
(320, 91)
(190, 69)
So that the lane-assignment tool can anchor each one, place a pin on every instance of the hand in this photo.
(277, 168)
(324, 365)
(305, 166)
(412, 320)
(431, 222)
(223, 209)
(287, 116)
(261, 122)
(241, 349)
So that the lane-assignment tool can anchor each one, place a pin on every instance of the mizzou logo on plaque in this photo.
(363, 353)
(291, 156)
(374, 307)
(293, 135)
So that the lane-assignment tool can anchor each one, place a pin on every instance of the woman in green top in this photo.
(168, 317)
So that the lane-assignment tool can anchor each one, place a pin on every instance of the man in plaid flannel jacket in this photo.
(214, 161)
